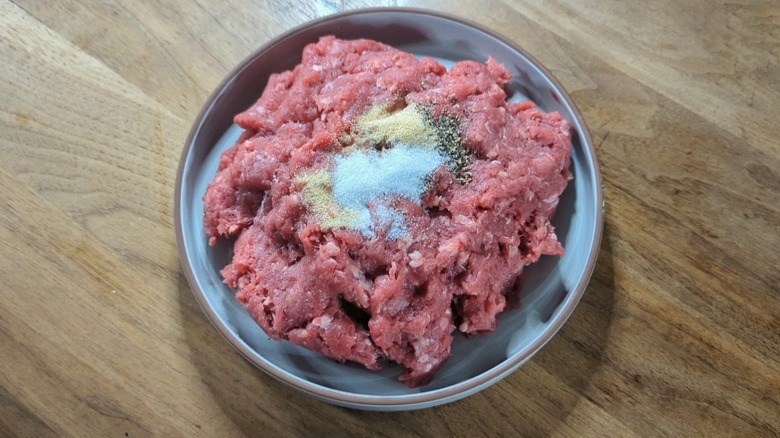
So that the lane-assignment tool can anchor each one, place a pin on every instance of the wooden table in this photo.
(678, 333)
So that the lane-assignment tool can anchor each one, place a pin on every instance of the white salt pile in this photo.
(363, 178)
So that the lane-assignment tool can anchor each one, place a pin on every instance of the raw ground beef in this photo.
(370, 299)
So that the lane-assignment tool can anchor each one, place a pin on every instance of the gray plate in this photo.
(551, 288)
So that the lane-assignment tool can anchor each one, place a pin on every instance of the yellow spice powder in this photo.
(318, 196)
(406, 126)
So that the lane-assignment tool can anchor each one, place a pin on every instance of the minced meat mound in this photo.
(463, 244)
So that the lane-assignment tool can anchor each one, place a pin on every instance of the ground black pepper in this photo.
(449, 141)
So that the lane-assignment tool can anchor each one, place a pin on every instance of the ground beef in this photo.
(369, 299)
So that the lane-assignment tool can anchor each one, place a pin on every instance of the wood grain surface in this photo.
(678, 333)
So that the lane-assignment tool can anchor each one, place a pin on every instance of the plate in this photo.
(550, 289)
